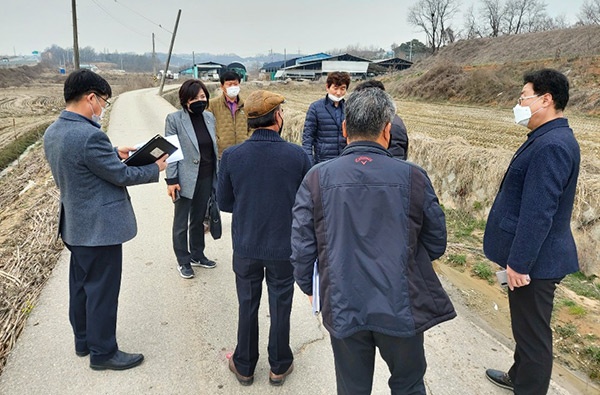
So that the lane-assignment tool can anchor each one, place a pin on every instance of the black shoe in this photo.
(499, 378)
(279, 379)
(120, 361)
(83, 353)
(186, 271)
(204, 262)
(244, 380)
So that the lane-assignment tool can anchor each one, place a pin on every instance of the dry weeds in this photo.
(28, 252)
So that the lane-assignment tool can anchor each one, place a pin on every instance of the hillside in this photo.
(488, 71)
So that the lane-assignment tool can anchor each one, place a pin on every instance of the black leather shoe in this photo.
(120, 361)
(244, 380)
(83, 353)
(499, 378)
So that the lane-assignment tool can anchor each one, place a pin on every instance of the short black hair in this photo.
(84, 81)
(263, 121)
(230, 75)
(550, 81)
(338, 78)
(189, 90)
(370, 84)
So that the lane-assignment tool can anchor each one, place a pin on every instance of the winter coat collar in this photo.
(73, 116)
(365, 146)
(265, 135)
(553, 124)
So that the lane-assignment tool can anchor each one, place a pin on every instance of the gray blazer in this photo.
(186, 171)
(95, 208)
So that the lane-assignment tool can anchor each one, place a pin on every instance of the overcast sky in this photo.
(243, 27)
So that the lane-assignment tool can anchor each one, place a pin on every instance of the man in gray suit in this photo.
(96, 215)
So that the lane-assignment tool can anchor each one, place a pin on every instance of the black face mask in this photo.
(280, 127)
(197, 107)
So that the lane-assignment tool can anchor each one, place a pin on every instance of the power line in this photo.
(116, 19)
(143, 16)
(127, 25)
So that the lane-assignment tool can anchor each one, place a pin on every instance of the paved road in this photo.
(186, 328)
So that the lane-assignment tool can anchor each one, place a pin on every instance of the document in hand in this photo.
(154, 149)
(316, 301)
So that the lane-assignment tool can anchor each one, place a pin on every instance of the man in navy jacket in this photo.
(375, 224)
(528, 229)
(258, 180)
(322, 137)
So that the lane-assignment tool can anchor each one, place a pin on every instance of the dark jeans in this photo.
(355, 362)
(249, 274)
(189, 219)
(94, 285)
(530, 313)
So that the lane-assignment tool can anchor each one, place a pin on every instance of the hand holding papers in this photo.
(150, 152)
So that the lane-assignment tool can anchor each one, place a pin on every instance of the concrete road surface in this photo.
(187, 328)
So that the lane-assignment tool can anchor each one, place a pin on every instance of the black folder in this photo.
(154, 149)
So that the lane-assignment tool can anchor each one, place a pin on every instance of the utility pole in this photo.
(153, 57)
(162, 79)
(75, 41)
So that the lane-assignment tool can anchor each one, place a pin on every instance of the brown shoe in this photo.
(244, 380)
(279, 379)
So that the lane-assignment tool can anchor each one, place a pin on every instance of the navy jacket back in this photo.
(375, 224)
(258, 180)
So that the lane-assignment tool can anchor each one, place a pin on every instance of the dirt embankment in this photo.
(488, 71)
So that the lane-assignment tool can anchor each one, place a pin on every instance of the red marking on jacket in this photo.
(363, 160)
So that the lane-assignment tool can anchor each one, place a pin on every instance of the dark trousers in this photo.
(355, 362)
(189, 219)
(94, 284)
(249, 274)
(530, 313)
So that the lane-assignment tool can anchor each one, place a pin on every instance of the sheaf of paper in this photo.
(177, 155)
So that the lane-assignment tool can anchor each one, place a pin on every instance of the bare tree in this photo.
(590, 12)
(522, 16)
(448, 36)
(492, 11)
(433, 17)
(472, 28)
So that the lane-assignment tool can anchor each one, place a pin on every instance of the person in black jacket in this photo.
(322, 136)
(375, 224)
(258, 180)
(399, 138)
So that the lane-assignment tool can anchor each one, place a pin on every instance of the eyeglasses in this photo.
(105, 101)
(520, 99)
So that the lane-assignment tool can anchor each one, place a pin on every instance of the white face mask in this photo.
(97, 118)
(523, 114)
(334, 98)
(233, 91)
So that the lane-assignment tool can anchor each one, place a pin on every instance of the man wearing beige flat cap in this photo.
(258, 180)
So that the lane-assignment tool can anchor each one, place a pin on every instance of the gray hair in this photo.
(368, 111)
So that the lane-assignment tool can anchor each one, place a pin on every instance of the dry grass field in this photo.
(464, 148)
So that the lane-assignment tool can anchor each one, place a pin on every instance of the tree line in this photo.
(63, 57)
(490, 18)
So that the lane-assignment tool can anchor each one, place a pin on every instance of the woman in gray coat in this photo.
(191, 180)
